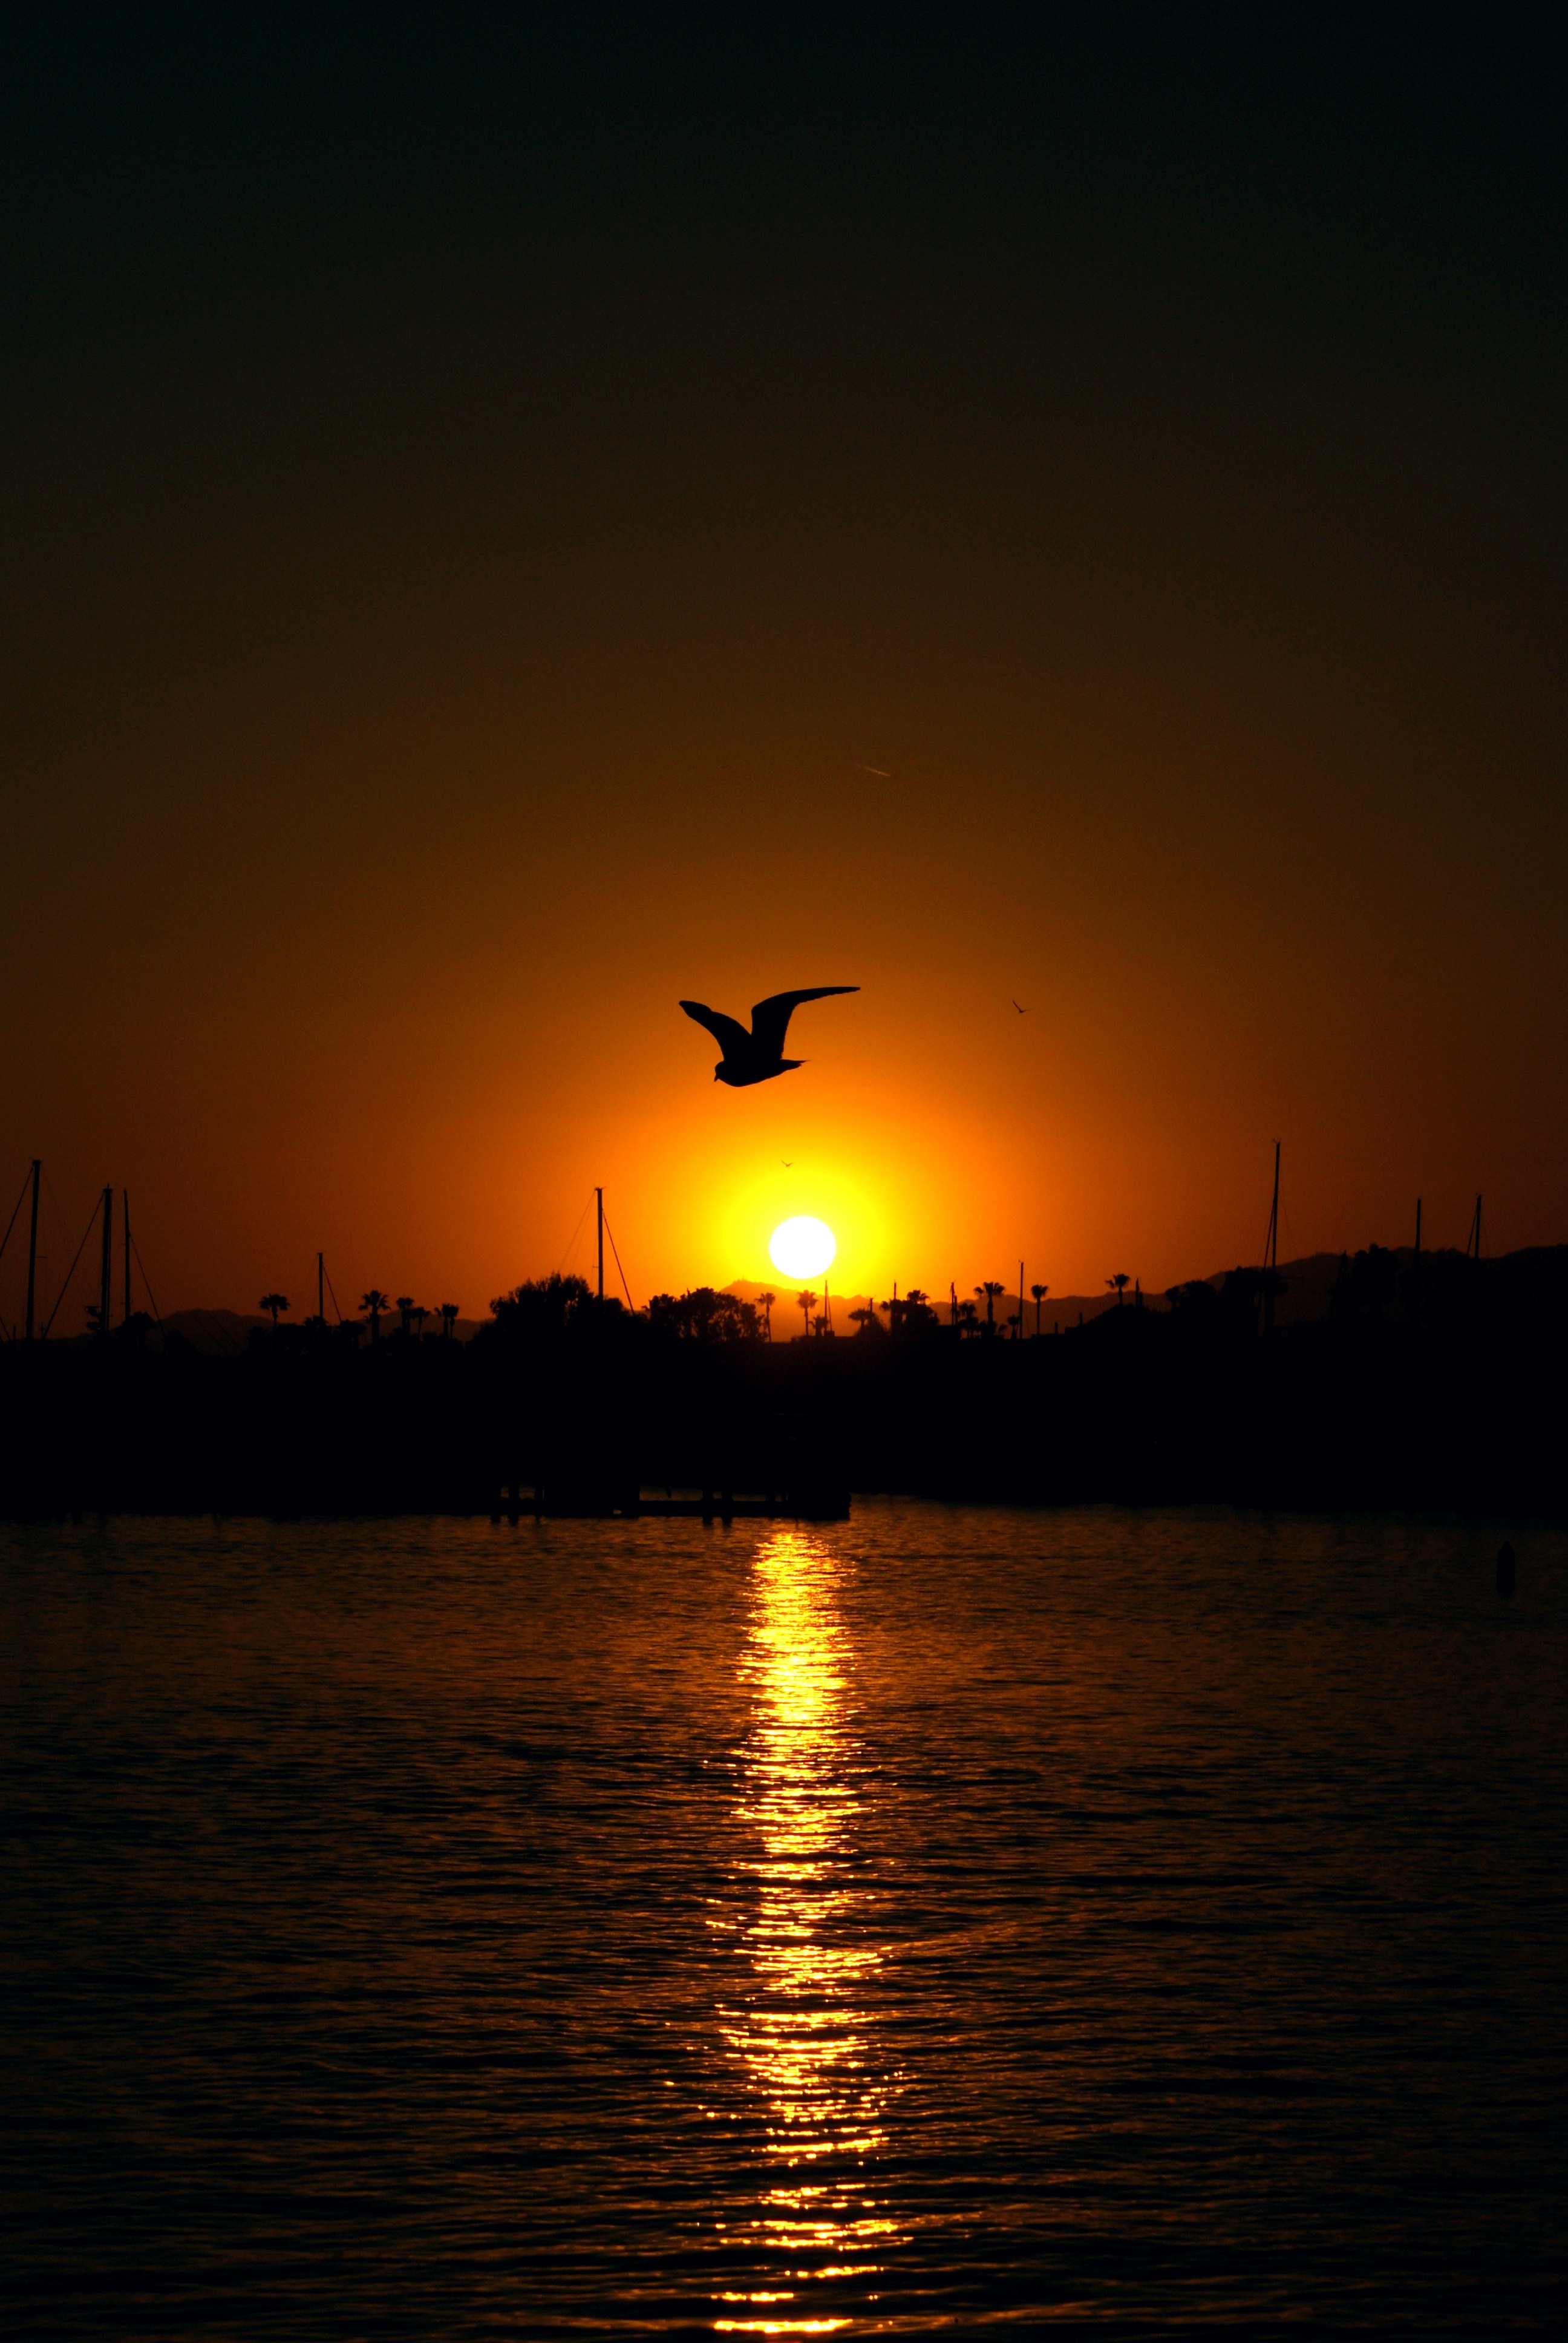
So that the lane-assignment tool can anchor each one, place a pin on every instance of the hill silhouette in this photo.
(1446, 1388)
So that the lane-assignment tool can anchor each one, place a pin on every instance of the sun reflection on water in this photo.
(802, 2033)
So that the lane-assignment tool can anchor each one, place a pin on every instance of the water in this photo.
(949, 1918)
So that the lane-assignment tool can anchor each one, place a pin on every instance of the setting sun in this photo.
(802, 1247)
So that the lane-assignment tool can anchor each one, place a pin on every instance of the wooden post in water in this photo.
(33, 1246)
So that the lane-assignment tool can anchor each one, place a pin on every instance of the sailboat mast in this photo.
(599, 1199)
(33, 1246)
(106, 1266)
(1272, 1250)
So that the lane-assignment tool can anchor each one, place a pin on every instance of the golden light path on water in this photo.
(803, 2036)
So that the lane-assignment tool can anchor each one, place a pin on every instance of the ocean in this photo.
(950, 1919)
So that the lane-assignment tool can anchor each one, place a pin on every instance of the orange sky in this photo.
(435, 645)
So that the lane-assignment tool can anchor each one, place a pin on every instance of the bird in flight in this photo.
(758, 1056)
(1018, 1006)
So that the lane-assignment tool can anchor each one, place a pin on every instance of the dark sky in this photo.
(480, 500)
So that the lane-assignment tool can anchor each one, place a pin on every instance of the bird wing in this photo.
(731, 1036)
(770, 1017)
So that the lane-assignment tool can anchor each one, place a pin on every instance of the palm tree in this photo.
(275, 1303)
(374, 1303)
(1038, 1294)
(991, 1289)
(404, 1310)
(806, 1303)
(419, 1314)
(1120, 1281)
(449, 1316)
(765, 1303)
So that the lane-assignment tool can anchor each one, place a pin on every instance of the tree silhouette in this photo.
(1366, 1285)
(419, 1314)
(1196, 1301)
(1120, 1281)
(806, 1303)
(1039, 1294)
(537, 1311)
(765, 1303)
(449, 1316)
(909, 1312)
(373, 1303)
(405, 1312)
(991, 1289)
(275, 1303)
(703, 1316)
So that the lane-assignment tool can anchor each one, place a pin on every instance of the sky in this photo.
(506, 527)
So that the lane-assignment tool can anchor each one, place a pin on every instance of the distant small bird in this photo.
(1019, 1006)
(788, 1162)
(757, 1055)
(881, 776)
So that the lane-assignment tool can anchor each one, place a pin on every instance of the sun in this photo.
(802, 1247)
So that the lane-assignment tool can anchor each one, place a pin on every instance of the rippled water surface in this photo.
(947, 1918)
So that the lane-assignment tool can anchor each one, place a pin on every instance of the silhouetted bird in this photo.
(758, 1056)
(1019, 1006)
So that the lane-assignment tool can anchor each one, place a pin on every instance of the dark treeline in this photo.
(1446, 1390)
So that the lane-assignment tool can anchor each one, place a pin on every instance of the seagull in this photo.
(758, 1056)
(1022, 1010)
